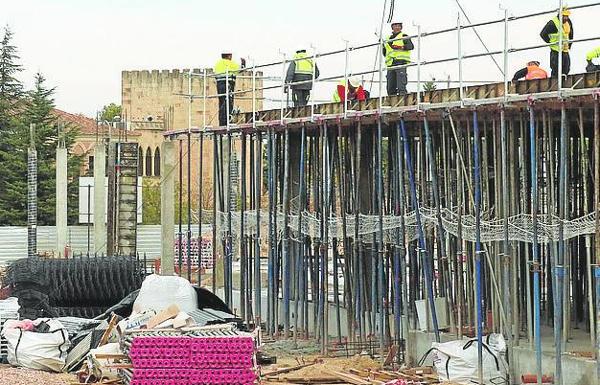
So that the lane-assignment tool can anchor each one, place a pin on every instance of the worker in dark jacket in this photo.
(550, 34)
(396, 50)
(225, 72)
(301, 70)
(531, 72)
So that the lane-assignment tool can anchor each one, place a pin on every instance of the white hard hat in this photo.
(396, 22)
(354, 82)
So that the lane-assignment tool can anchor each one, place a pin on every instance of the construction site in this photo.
(446, 234)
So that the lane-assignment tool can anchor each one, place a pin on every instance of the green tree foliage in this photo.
(151, 202)
(110, 111)
(19, 109)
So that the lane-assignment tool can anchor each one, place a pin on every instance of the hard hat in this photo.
(566, 11)
(354, 82)
(395, 22)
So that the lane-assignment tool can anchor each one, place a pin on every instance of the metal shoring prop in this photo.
(201, 176)
(189, 182)
(180, 223)
(286, 241)
(478, 250)
(300, 241)
(560, 268)
(257, 199)
(535, 249)
(243, 241)
(506, 250)
(380, 243)
(597, 235)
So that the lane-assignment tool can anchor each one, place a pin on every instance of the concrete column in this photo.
(61, 200)
(167, 207)
(99, 198)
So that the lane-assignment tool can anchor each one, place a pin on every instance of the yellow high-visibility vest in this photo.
(304, 65)
(555, 37)
(593, 54)
(392, 54)
(226, 67)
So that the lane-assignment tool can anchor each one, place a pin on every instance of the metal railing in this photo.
(282, 85)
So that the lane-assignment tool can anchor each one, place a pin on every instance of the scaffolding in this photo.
(485, 196)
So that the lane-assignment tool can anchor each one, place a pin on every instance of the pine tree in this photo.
(18, 109)
(11, 89)
(40, 106)
(13, 183)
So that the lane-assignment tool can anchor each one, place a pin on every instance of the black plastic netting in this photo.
(83, 287)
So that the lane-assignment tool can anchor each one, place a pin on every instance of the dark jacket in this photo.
(292, 76)
(550, 28)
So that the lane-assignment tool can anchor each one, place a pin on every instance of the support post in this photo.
(61, 198)
(31, 195)
(167, 207)
(99, 196)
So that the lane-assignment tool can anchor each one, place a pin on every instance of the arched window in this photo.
(157, 162)
(148, 162)
(140, 162)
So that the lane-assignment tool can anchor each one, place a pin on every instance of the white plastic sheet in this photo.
(159, 292)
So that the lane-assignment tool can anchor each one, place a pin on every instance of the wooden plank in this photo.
(351, 378)
(287, 370)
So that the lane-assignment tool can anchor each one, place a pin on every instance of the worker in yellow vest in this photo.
(533, 71)
(550, 34)
(591, 56)
(301, 69)
(226, 71)
(396, 50)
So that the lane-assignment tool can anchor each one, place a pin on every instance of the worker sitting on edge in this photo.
(593, 54)
(225, 72)
(531, 72)
(356, 92)
(396, 50)
(551, 35)
(301, 70)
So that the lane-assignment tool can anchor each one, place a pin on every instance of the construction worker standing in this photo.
(301, 70)
(531, 72)
(225, 72)
(593, 54)
(550, 34)
(396, 50)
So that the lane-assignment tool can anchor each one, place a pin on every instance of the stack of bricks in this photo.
(193, 360)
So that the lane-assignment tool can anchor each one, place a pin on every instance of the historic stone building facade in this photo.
(157, 101)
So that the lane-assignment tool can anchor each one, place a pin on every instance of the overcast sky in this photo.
(82, 46)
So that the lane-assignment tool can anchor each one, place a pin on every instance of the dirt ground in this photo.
(20, 376)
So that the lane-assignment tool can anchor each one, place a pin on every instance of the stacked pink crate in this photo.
(193, 361)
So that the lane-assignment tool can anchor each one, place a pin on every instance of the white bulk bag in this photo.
(457, 360)
(159, 292)
(41, 351)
